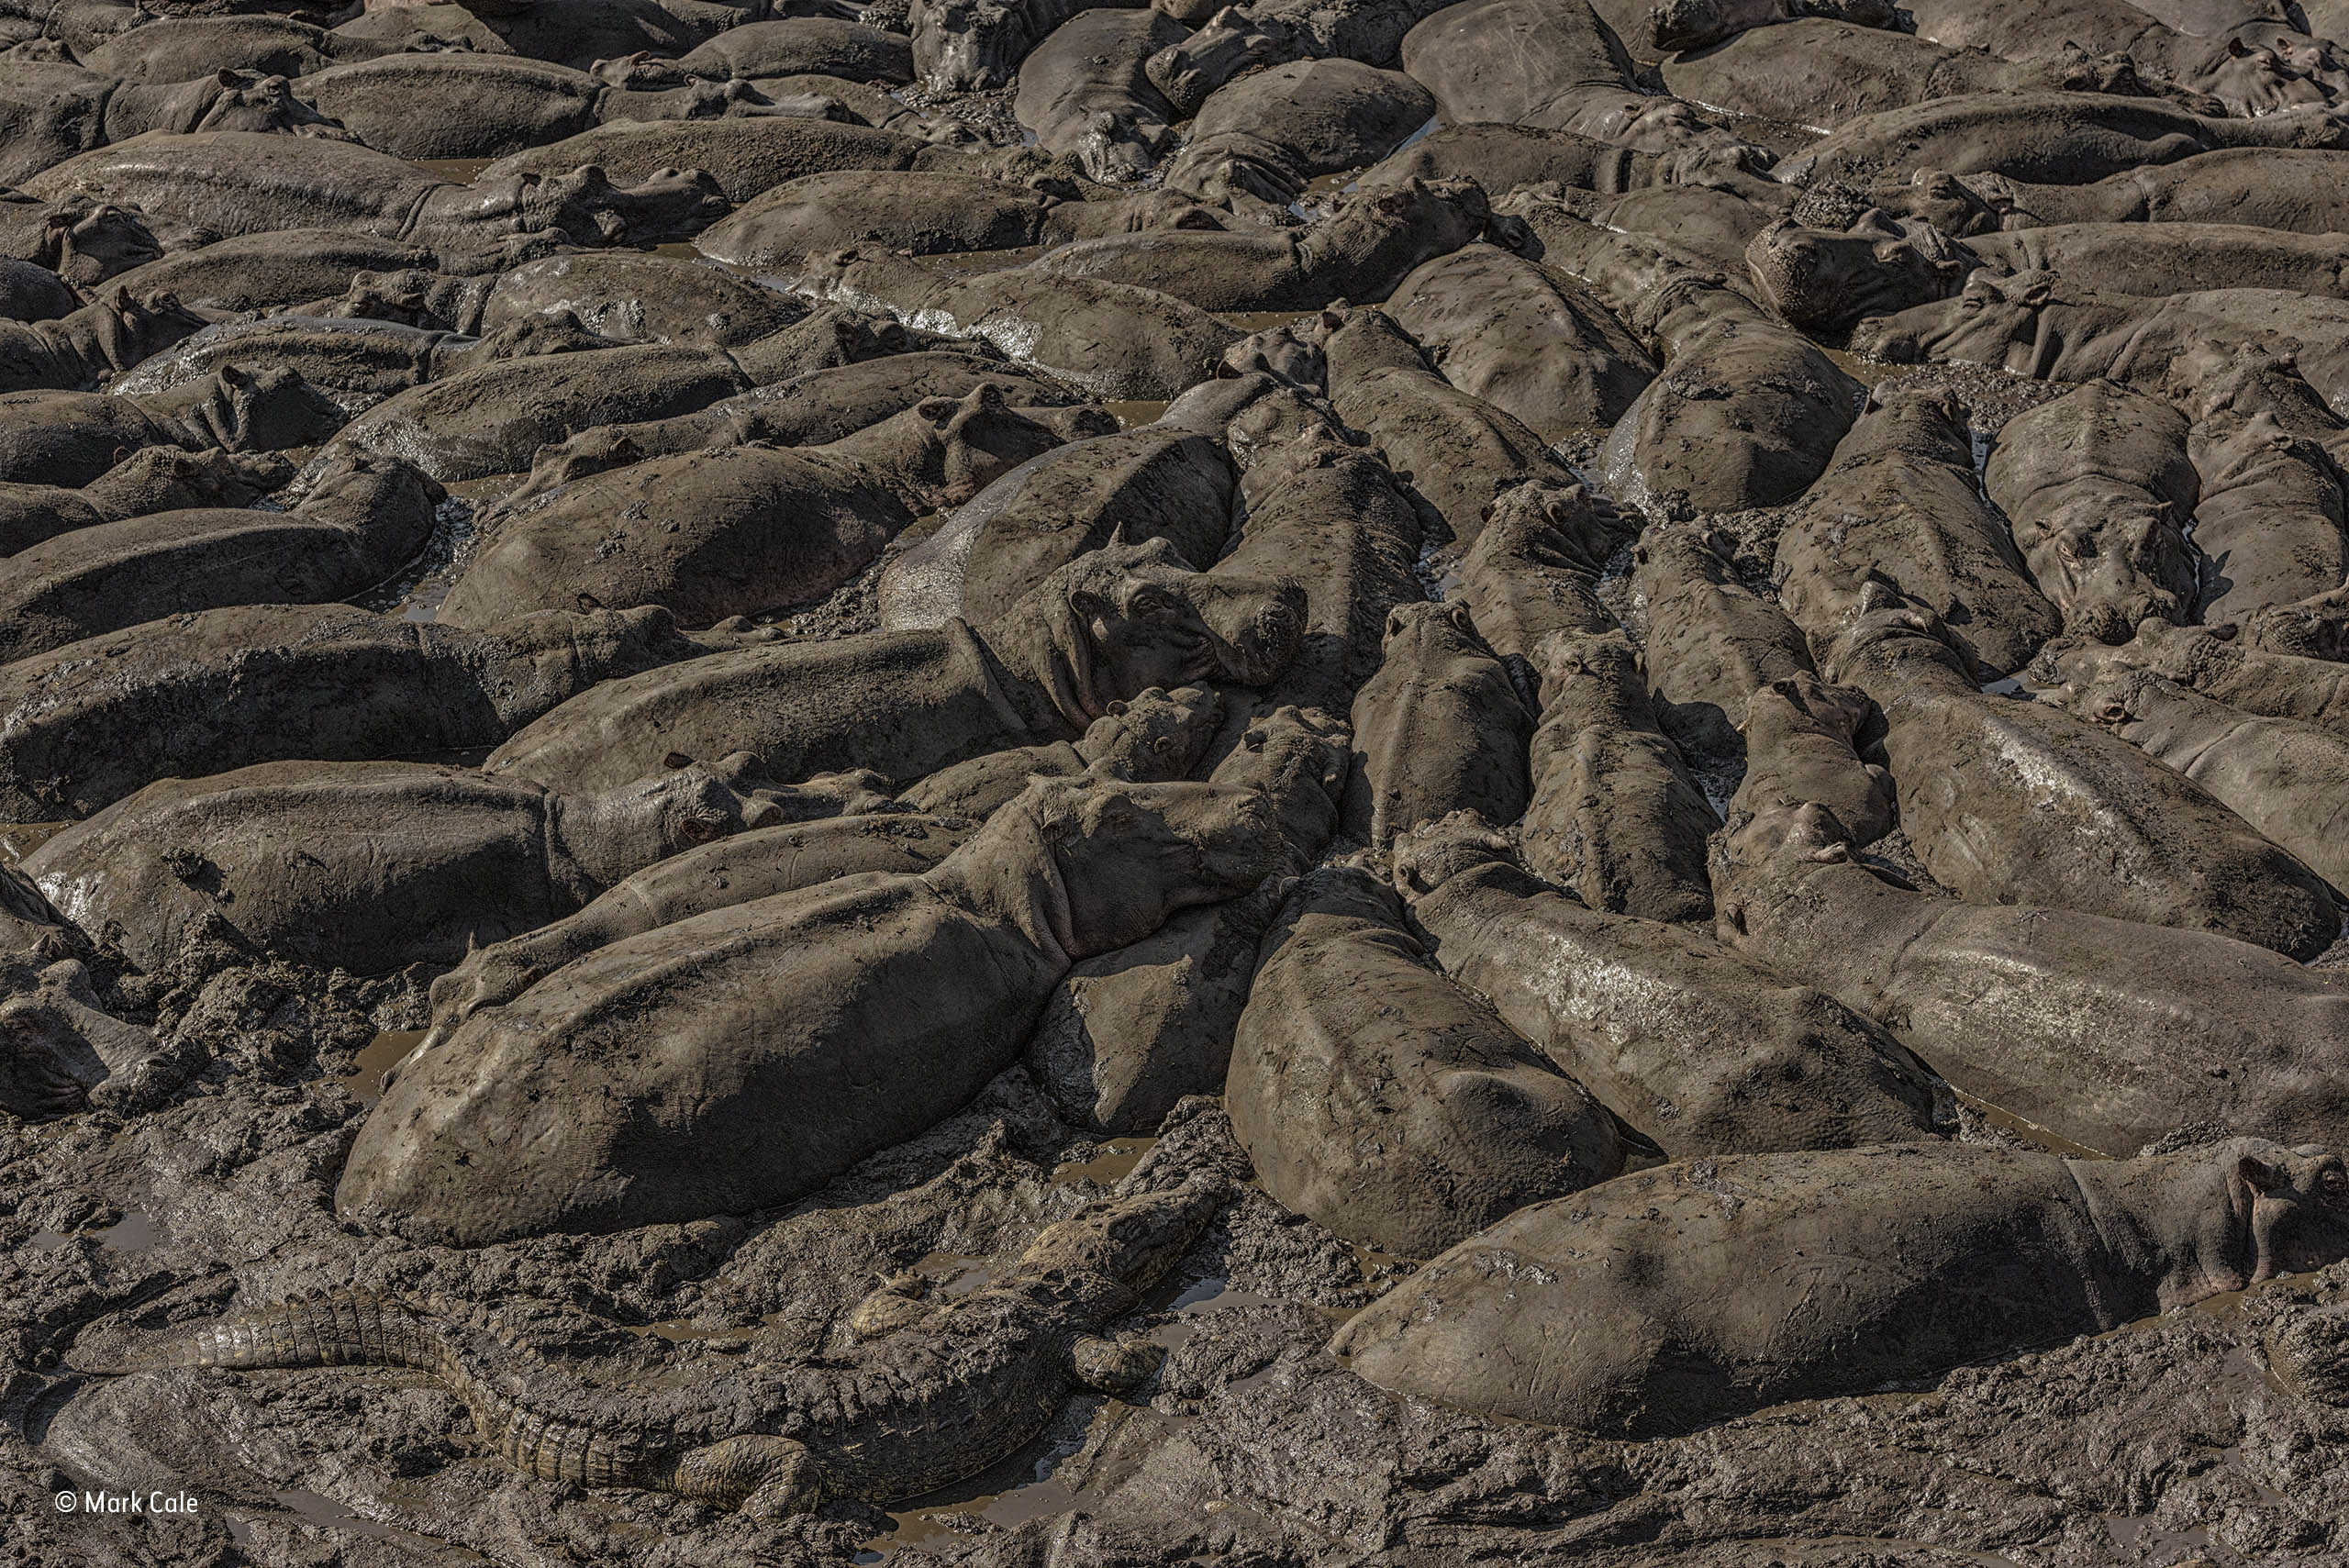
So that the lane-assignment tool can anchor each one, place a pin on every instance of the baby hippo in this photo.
(1703, 1290)
(369, 866)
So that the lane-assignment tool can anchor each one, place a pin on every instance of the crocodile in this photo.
(929, 1395)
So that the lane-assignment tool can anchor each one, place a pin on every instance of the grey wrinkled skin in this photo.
(1691, 1287)
(971, 949)
(1438, 728)
(1711, 638)
(2216, 661)
(1349, 1026)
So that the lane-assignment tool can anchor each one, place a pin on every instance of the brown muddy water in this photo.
(365, 1079)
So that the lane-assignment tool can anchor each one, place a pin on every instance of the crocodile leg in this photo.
(764, 1477)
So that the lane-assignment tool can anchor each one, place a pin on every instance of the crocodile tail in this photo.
(339, 1328)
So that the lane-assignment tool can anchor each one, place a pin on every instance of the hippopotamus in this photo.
(783, 1063)
(777, 46)
(1523, 338)
(1534, 570)
(1510, 63)
(2108, 1033)
(927, 213)
(1707, 222)
(758, 863)
(222, 689)
(1898, 503)
(234, 183)
(1267, 133)
(1331, 518)
(78, 351)
(2300, 191)
(83, 242)
(181, 48)
(1708, 1288)
(396, 864)
(263, 272)
(1685, 27)
(1711, 638)
(1996, 795)
(471, 105)
(2098, 487)
(2216, 661)
(1800, 739)
(1125, 486)
(2050, 138)
(738, 530)
(1115, 341)
(1234, 40)
(1746, 413)
(2242, 79)
(1158, 736)
(1082, 91)
(1824, 74)
(1457, 451)
(2032, 324)
(1438, 728)
(962, 46)
(633, 296)
(493, 418)
(744, 156)
(808, 410)
(1107, 626)
(2287, 779)
(1360, 251)
(1614, 815)
(1695, 1049)
(54, 112)
(1349, 1026)
(1825, 281)
(576, 33)
(2270, 525)
(2168, 258)
(72, 438)
(360, 522)
(150, 479)
(29, 292)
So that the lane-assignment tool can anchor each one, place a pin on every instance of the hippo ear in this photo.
(2257, 1175)
(234, 375)
(676, 760)
(937, 410)
(1116, 710)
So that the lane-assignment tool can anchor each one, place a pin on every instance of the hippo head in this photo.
(361, 483)
(166, 479)
(2294, 1204)
(1278, 352)
(127, 330)
(1232, 43)
(682, 805)
(1232, 168)
(1433, 853)
(1823, 280)
(1157, 735)
(972, 440)
(1104, 863)
(1119, 620)
(2312, 628)
(2111, 694)
(2259, 70)
(1118, 148)
(1563, 526)
(1433, 633)
(969, 45)
(2109, 568)
(250, 101)
(271, 409)
(85, 243)
(668, 204)
(1887, 631)
(1942, 202)
(1989, 316)
(1300, 758)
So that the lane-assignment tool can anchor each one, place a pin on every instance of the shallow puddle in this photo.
(365, 1079)
(1109, 1165)
(18, 839)
(136, 1231)
(1133, 412)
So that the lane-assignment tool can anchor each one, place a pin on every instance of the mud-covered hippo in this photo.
(368, 866)
(1438, 728)
(1997, 794)
(1082, 91)
(1266, 134)
(81, 350)
(2303, 191)
(1614, 814)
(1114, 339)
(1824, 74)
(2218, 662)
(1695, 1049)
(1711, 638)
(53, 112)
(1534, 570)
(1709, 1288)
(2271, 526)
(2049, 137)
(83, 242)
(151, 480)
(2098, 488)
(784, 1039)
(745, 156)
(1899, 503)
(1104, 629)
(1234, 40)
(358, 525)
(2287, 779)
(2243, 78)
(181, 48)
(1376, 1097)
(233, 183)
(740, 529)
(221, 689)
(72, 438)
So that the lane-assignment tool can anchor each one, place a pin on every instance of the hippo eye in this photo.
(2332, 1186)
